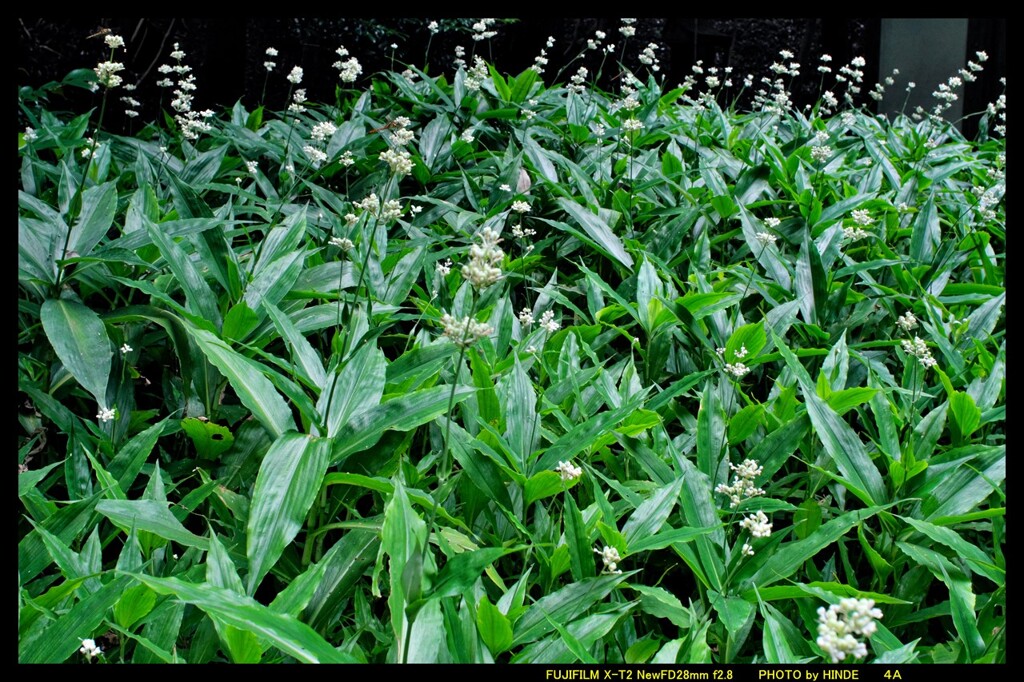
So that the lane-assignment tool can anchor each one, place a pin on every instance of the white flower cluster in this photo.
(757, 524)
(547, 322)
(106, 73)
(476, 76)
(578, 81)
(526, 317)
(443, 267)
(269, 65)
(742, 483)
(919, 349)
(907, 321)
(568, 472)
(343, 243)
(349, 69)
(433, 27)
(821, 153)
(482, 29)
(766, 238)
(89, 647)
(862, 217)
(628, 29)
(610, 557)
(132, 104)
(841, 624)
(295, 76)
(399, 160)
(595, 42)
(190, 122)
(738, 370)
(649, 57)
(316, 157)
(467, 135)
(106, 414)
(521, 206)
(322, 131)
(298, 97)
(632, 125)
(464, 332)
(855, 233)
(481, 271)
(30, 135)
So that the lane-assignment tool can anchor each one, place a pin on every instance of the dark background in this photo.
(227, 54)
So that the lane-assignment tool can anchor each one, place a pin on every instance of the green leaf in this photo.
(63, 637)
(427, 637)
(650, 516)
(544, 484)
(344, 566)
(354, 389)
(399, 414)
(520, 401)
(563, 606)
(841, 442)
(199, 297)
(661, 603)
(98, 207)
(254, 390)
(966, 416)
(961, 596)
(288, 481)
(786, 559)
(134, 605)
(210, 439)
(306, 359)
(744, 423)
(462, 570)
(80, 340)
(287, 634)
(967, 551)
(807, 518)
(151, 516)
(493, 626)
(598, 230)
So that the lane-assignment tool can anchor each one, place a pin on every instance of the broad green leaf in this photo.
(520, 402)
(544, 484)
(570, 643)
(63, 637)
(210, 439)
(577, 540)
(966, 416)
(344, 566)
(710, 432)
(961, 595)
(666, 538)
(786, 559)
(354, 389)
(493, 626)
(80, 340)
(462, 570)
(403, 540)
(749, 337)
(399, 414)
(427, 635)
(66, 523)
(563, 606)
(199, 297)
(661, 603)
(245, 613)
(134, 605)
(99, 204)
(151, 516)
(744, 423)
(288, 481)
(598, 230)
(650, 516)
(974, 556)
(841, 442)
(254, 390)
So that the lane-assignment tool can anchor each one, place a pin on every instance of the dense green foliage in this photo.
(264, 418)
